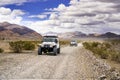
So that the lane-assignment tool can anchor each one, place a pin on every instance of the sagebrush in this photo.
(19, 46)
(27, 45)
(106, 50)
(64, 42)
(1, 50)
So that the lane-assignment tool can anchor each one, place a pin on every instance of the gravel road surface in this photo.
(74, 63)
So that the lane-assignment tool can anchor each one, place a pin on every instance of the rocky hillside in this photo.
(78, 34)
(109, 35)
(16, 32)
(75, 34)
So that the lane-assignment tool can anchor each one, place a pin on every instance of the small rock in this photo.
(103, 77)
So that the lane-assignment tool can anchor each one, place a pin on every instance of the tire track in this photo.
(47, 70)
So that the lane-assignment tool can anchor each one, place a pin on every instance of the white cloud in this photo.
(17, 2)
(38, 16)
(61, 7)
(53, 16)
(7, 2)
(5, 11)
(12, 16)
(88, 16)
(17, 12)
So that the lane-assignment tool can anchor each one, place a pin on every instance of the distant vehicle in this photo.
(73, 43)
(50, 43)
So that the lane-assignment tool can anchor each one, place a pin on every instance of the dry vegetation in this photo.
(64, 42)
(110, 49)
(1, 50)
(20, 46)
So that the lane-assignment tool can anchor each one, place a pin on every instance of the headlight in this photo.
(41, 45)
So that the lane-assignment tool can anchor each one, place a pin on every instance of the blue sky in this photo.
(87, 16)
(37, 7)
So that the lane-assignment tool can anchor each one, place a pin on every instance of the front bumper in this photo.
(47, 49)
(73, 44)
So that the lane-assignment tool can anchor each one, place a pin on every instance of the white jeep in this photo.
(73, 43)
(50, 43)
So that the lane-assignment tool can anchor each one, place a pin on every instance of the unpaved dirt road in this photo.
(74, 63)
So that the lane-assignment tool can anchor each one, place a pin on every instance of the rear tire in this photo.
(55, 51)
(39, 51)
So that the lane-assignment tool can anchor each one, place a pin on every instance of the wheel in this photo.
(58, 50)
(39, 51)
(55, 51)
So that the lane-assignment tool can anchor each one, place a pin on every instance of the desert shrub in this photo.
(104, 55)
(105, 50)
(28, 45)
(87, 45)
(115, 57)
(64, 42)
(97, 51)
(114, 41)
(97, 48)
(94, 44)
(1, 50)
(108, 45)
(35, 42)
(17, 46)
(115, 50)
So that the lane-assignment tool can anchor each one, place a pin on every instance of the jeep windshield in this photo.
(74, 41)
(49, 40)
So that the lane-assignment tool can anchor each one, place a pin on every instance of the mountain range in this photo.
(78, 34)
(10, 31)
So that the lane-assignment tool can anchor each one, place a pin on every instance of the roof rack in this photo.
(51, 35)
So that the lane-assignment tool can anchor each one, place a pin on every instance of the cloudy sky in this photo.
(88, 16)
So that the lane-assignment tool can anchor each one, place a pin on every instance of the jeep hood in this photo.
(48, 43)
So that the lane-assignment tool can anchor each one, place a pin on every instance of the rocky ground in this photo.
(74, 63)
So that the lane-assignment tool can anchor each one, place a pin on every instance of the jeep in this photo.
(73, 43)
(50, 43)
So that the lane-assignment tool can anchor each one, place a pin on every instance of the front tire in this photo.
(55, 51)
(39, 51)
(58, 50)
